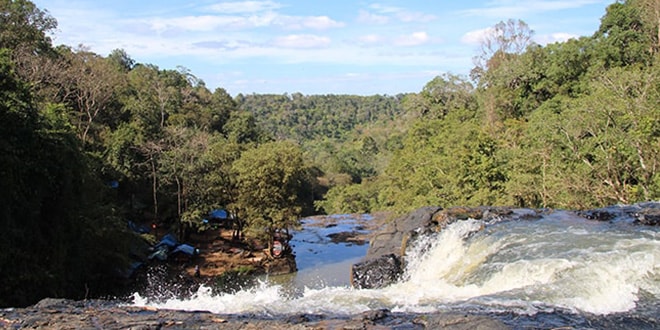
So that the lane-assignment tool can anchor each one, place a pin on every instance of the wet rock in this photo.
(393, 238)
(487, 213)
(376, 272)
(598, 214)
(67, 314)
(280, 266)
(459, 322)
(376, 315)
(385, 258)
(303, 318)
(383, 264)
(646, 213)
(648, 217)
(347, 237)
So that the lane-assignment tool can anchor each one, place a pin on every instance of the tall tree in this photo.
(272, 180)
(504, 39)
(650, 12)
(181, 165)
(92, 83)
(625, 36)
(24, 26)
(495, 66)
(221, 183)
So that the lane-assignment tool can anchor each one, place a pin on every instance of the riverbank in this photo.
(60, 314)
(96, 314)
(219, 254)
(227, 265)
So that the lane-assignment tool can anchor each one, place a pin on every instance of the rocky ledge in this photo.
(385, 260)
(96, 314)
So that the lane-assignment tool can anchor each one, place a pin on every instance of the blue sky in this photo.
(312, 47)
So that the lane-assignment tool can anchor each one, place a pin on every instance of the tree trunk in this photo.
(154, 188)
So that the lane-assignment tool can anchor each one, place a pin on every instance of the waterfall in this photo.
(559, 262)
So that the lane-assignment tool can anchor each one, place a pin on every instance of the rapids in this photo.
(561, 263)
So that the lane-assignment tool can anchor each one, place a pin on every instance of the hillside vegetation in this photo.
(90, 142)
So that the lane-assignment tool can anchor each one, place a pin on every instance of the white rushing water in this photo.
(559, 262)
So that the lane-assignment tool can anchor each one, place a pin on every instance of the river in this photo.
(559, 270)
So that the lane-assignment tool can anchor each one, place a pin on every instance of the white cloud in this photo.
(262, 20)
(476, 37)
(210, 22)
(398, 13)
(370, 18)
(310, 22)
(224, 44)
(240, 7)
(384, 8)
(197, 23)
(414, 39)
(555, 37)
(302, 41)
(370, 39)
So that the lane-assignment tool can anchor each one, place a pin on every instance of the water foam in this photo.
(525, 267)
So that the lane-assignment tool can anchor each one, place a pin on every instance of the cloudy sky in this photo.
(311, 46)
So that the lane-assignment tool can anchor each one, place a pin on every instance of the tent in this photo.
(219, 214)
(185, 249)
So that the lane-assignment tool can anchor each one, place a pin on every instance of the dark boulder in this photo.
(598, 214)
(280, 266)
(648, 217)
(377, 272)
(393, 238)
(646, 213)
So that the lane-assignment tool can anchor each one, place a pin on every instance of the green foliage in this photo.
(625, 38)
(446, 93)
(350, 198)
(569, 125)
(301, 117)
(273, 184)
(242, 128)
(60, 237)
(445, 162)
(23, 25)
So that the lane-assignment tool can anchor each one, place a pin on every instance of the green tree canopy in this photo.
(273, 184)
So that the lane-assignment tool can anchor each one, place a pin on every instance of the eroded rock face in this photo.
(377, 272)
(392, 238)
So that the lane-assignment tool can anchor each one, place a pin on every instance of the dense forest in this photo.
(90, 142)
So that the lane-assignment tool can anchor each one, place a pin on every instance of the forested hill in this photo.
(308, 117)
(573, 124)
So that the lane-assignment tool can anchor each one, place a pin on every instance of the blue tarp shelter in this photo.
(219, 214)
(168, 246)
(185, 249)
(168, 240)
